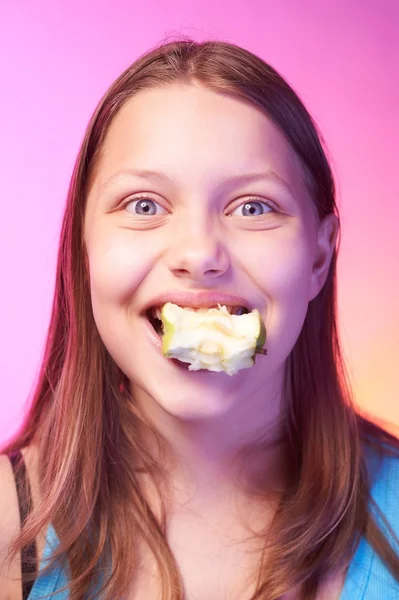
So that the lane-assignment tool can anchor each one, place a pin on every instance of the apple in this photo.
(212, 339)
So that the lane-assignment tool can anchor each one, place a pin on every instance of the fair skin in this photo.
(197, 235)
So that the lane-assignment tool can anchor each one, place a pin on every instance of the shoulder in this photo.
(9, 528)
(384, 490)
(8, 497)
(10, 525)
(9, 511)
(388, 480)
(384, 493)
(383, 468)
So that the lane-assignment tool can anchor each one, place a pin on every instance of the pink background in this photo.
(341, 56)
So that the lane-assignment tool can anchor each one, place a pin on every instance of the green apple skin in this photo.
(260, 342)
(168, 330)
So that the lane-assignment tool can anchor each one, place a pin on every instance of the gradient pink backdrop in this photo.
(57, 59)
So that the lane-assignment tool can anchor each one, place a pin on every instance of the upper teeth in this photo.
(156, 311)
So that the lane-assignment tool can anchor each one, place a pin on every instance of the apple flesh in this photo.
(212, 339)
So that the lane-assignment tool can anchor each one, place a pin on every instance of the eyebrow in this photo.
(159, 177)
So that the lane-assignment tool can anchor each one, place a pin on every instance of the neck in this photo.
(237, 451)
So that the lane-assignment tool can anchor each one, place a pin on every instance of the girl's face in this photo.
(199, 230)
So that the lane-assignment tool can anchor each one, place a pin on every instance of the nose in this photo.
(198, 253)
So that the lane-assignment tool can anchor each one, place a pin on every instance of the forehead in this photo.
(196, 136)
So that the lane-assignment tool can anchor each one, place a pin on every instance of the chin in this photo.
(196, 403)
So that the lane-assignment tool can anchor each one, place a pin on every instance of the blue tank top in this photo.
(367, 577)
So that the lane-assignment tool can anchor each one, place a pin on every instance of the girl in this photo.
(201, 180)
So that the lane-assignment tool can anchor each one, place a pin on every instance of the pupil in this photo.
(145, 206)
(250, 207)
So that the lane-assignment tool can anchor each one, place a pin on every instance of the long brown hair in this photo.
(87, 428)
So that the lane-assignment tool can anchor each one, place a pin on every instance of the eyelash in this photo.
(251, 199)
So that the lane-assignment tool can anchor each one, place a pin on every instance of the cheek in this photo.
(284, 275)
(117, 265)
(281, 262)
(287, 274)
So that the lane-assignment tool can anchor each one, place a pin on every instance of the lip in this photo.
(201, 299)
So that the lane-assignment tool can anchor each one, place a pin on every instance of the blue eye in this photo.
(144, 206)
(253, 206)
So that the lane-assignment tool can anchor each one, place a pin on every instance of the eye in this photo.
(253, 207)
(144, 205)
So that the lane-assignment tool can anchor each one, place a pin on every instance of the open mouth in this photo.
(154, 321)
(153, 314)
